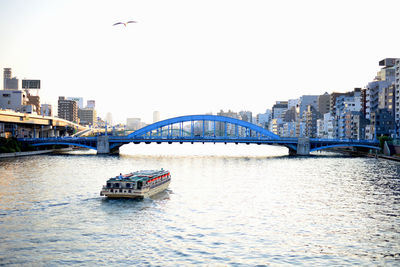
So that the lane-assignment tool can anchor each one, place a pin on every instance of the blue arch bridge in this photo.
(201, 129)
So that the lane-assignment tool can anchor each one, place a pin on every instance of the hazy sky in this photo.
(192, 57)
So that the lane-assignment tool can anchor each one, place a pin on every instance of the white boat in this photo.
(138, 184)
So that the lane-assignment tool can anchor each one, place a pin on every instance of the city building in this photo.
(79, 101)
(381, 99)
(87, 116)
(324, 103)
(355, 123)
(109, 119)
(310, 117)
(46, 110)
(246, 116)
(279, 109)
(382, 123)
(230, 129)
(156, 116)
(91, 104)
(13, 99)
(133, 124)
(263, 119)
(9, 82)
(289, 129)
(67, 109)
(305, 101)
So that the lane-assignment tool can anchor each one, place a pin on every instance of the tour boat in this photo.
(139, 184)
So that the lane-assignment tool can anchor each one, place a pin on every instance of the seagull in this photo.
(124, 23)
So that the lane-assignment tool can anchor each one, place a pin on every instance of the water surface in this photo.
(226, 205)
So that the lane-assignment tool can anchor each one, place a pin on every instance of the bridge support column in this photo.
(303, 146)
(103, 145)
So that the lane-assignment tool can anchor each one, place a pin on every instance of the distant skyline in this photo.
(192, 57)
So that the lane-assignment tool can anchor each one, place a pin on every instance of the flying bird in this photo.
(124, 23)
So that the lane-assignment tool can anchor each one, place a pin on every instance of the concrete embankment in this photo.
(32, 153)
(365, 154)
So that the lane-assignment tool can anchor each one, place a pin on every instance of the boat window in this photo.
(139, 185)
(108, 185)
(116, 185)
(128, 185)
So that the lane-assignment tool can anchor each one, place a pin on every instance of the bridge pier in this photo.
(303, 146)
(103, 146)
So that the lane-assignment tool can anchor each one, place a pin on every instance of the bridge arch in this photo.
(212, 118)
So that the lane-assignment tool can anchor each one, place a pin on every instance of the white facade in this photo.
(156, 116)
(109, 119)
(133, 123)
(326, 127)
(12, 99)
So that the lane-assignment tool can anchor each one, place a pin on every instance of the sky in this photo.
(186, 57)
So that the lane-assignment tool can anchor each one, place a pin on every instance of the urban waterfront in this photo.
(226, 205)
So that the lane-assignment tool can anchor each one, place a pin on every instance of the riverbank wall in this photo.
(32, 153)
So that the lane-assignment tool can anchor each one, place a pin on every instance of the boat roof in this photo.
(143, 175)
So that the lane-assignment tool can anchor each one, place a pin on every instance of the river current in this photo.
(226, 205)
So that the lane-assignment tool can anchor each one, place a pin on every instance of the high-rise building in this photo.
(79, 101)
(67, 109)
(156, 116)
(109, 119)
(324, 103)
(381, 100)
(9, 83)
(133, 123)
(279, 109)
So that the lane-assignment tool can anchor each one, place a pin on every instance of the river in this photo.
(234, 205)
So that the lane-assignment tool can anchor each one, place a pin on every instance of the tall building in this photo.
(305, 101)
(156, 116)
(345, 103)
(67, 109)
(9, 83)
(79, 101)
(109, 119)
(279, 109)
(381, 99)
(324, 103)
(310, 117)
(133, 123)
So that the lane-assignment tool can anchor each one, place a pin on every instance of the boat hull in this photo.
(146, 192)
